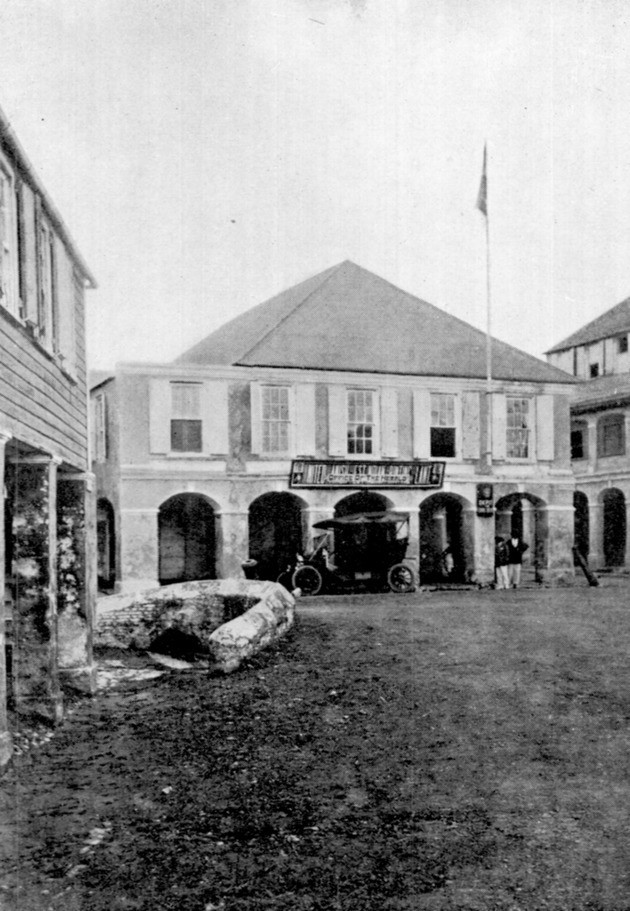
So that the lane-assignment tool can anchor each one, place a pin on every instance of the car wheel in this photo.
(308, 579)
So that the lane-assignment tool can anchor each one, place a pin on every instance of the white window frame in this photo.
(529, 428)
(9, 252)
(179, 412)
(357, 421)
(438, 399)
(268, 421)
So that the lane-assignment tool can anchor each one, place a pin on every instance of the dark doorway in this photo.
(581, 523)
(524, 516)
(276, 533)
(106, 545)
(187, 539)
(614, 527)
(446, 539)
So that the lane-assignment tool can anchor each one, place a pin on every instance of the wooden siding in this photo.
(39, 403)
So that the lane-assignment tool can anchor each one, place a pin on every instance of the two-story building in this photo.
(47, 534)
(598, 354)
(341, 394)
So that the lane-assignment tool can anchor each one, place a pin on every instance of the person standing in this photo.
(501, 562)
(515, 549)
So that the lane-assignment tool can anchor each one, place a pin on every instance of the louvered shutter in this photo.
(215, 417)
(337, 421)
(160, 416)
(389, 423)
(471, 438)
(256, 417)
(421, 424)
(544, 428)
(303, 419)
(499, 426)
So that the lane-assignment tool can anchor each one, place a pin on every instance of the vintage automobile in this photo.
(365, 550)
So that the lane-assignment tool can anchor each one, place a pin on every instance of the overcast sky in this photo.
(207, 154)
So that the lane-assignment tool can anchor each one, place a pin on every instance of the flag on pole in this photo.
(482, 197)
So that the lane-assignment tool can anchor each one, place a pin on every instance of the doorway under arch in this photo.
(277, 532)
(446, 539)
(186, 539)
(614, 527)
(105, 544)
(581, 523)
(524, 515)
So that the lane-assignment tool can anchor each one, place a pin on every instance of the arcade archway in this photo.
(276, 532)
(523, 515)
(186, 539)
(614, 527)
(446, 539)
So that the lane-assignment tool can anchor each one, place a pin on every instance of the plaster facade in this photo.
(244, 492)
(598, 354)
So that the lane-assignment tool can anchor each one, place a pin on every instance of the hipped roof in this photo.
(348, 319)
(614, 322)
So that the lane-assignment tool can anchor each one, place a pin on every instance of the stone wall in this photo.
(230, 618)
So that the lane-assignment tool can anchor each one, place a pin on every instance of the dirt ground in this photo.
(442, 750)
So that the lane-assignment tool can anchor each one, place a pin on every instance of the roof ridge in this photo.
(283, 319)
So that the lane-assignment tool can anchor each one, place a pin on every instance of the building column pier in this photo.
(76, 595)
(5, 735)
(35, 658)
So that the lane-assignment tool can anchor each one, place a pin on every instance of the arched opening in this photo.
(106, 545)
(362, 501)
(186, 539)
(614, 522)
(581, 523)
(446, 539)
(524, 516)
(276, 532)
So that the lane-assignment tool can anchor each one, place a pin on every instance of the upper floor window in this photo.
(518, 428)
(8, 243)
(442, 425)
(99, 427)
(579, 432)
(611, 435)
(361, 426)
(186, 417)
(622, 344)
(276, 421)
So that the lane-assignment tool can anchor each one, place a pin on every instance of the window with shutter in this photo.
(361, 426)
(275, 418)
(8, 242)
(186, 417)
(518, 428)
(443, 435)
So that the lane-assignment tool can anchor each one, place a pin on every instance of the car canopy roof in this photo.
(364, 518)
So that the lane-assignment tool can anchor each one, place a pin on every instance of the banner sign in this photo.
(317, 473)
(485, 500)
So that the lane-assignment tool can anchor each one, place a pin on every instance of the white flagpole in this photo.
(482, 205)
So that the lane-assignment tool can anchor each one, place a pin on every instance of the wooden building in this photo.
(340, 394)
(47, 536)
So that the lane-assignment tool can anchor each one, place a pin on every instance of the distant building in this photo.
(598, 354)
(47, 535)
(342, 393)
